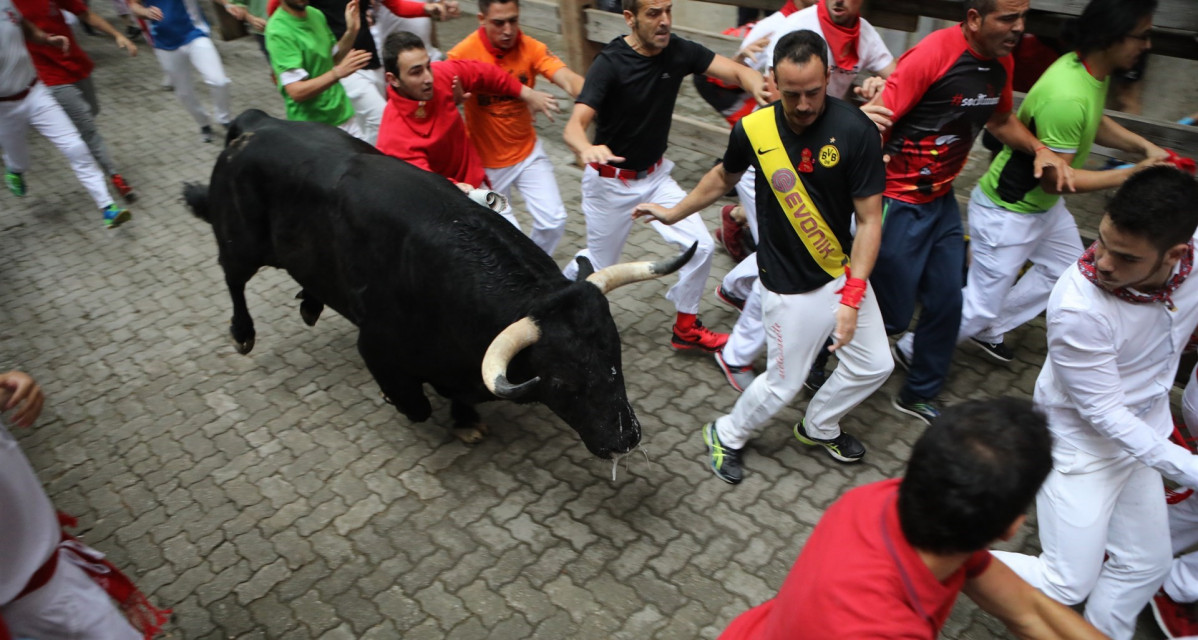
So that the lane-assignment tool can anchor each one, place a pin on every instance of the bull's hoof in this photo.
(243, 346)
(309, 315)
(473, 434)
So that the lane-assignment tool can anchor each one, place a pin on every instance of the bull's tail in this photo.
(196, 197)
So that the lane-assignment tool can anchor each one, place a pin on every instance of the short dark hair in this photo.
(483, 5)
(972, 473)
(631, 6)
(395, 44)
(799, 46)
(983, 7)
(1159, 204)
(1104, 23)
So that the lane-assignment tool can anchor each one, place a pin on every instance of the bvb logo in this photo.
(829, 156)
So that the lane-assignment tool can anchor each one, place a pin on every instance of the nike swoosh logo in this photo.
(765, 151)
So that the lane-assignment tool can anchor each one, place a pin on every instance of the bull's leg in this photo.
(467, 425)
(242, 325)
(310, 307)
(399, 389)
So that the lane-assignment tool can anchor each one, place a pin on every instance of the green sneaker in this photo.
(15, 182)
(115, 216)
(843, 448)
(724, 461)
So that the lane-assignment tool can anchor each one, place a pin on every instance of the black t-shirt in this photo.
(784, 263)
(334, 14)
(633, 96)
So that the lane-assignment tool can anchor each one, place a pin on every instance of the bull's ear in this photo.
(585, 268)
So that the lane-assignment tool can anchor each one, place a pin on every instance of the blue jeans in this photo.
(921, 258)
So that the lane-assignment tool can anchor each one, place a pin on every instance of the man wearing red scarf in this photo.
(501, 127)
(421, 123)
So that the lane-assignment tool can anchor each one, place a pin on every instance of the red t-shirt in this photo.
(857, 577)
(942, 93)
(53, 66)
(432, 135)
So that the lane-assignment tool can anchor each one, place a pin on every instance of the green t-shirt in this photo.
(1063, 110)
(307, 43)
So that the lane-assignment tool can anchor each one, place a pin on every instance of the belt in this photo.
(20, 95)
(608, 171)
(43, 573)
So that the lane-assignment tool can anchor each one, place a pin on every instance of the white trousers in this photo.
(1001, 242)
(533, 176)
(607, 204)
(1089, 507)
(796, 328)
(746, 192)
(40, 110)
(362, 87)
(1182, 583)
(201, 54)
(748, 336)
(70, 605)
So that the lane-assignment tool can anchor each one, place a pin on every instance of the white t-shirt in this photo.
(29, 530)
(16, 69)
(872, 54)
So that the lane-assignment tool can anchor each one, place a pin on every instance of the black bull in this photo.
(442, 290)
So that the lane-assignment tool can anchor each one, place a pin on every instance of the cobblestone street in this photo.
(275, 495)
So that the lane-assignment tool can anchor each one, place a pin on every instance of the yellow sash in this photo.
(804, 216)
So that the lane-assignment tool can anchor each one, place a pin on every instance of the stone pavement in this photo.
(276, 496)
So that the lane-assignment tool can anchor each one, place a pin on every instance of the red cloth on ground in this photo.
(857, 577)
(437, 141)
(53, 66)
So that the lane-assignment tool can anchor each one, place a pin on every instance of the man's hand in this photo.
(124, 43)
(354, 60)
(751, 52)
(153, 14)
(237, 11)
(1153, 152)
(846, 327)
(460, 94)
(465, 187)
(650, 212)
(1046, 159)
(872, 86)
(58, 42)
(882, 117)
(452, 10)
(255, 22)
(353, 19)
(24, 397)
(599, 154)
(540, 102)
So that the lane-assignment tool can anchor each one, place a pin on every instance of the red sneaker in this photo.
(730, 234)
(1176, 619)
(123, 188)
(697, 337)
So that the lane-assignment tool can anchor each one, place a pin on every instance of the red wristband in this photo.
(1037, 149)
(853, 291)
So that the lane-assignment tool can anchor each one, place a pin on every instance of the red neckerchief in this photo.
(495, 51)
(1086, 264)
(788, 8)
(842, 41)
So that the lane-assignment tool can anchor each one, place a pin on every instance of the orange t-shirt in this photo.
(501, 126)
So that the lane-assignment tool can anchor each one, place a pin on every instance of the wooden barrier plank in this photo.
(602, 27)
(579, 50)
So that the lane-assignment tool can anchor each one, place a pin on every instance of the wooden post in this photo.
(579, 50)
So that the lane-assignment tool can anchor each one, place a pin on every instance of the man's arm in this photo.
(575, 135)
(865, 254)
(1113, 134)
(1026, 611)
(153, 14)
(308, 88)
(714, 184)
(725, 69)
(1010, 131)
(100, 24)
(353, 22)
(37, 36)
(20, 394)
(569, 81)
(873, 85)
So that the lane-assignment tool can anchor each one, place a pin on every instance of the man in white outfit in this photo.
(1117, 323)
(26, 102)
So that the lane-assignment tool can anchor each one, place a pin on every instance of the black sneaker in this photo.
(923, 409)
(724, 461)
(996, 350)
(815, 379)
(729, 299)
(206, 134)
(843, 447)
(899, 358)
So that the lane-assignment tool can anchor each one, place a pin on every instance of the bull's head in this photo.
(570, 357)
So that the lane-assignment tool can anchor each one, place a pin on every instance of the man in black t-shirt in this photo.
(806, 199)
(629, 93)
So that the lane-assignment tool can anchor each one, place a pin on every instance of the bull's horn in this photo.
(504, 347)
(619, 275)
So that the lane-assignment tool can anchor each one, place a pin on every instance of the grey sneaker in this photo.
(724, 461)
(844, 448)
(739, 377)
